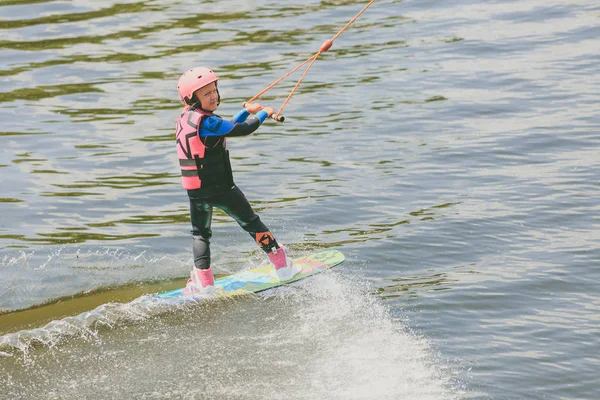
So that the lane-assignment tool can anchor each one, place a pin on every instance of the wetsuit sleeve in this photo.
(241, 116)
(262, 115)
(216, 126)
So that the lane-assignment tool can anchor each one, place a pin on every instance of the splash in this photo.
(87, 325)
(325, 337)
(364, 352)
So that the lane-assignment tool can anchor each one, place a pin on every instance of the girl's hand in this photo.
(253, 108)
(269, 111)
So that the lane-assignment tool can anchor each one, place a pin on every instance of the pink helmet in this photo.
(193, 80)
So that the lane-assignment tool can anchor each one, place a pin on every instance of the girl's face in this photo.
(208, 96)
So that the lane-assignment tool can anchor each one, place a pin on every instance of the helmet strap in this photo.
(190, 101)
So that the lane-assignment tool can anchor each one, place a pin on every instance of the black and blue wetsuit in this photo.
(221, 191)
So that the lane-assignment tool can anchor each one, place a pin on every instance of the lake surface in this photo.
(450, 149)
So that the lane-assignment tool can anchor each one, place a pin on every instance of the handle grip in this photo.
(274, 117)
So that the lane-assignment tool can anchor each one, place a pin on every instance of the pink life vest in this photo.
(202, 166)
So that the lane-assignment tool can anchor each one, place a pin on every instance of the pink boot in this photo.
(284, 267)
(201, 281)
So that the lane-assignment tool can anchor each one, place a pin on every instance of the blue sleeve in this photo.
(262, 115)
(241, 116)
(216, 126)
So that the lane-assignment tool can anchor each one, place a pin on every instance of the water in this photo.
(448, 149)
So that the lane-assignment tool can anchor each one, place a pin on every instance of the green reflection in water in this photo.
(29, 160)
(71, 194)
(92, 112)
(108, 153)
(411, 287)
(48, 171)
(304, 159)
(90, 146)
(372, 229)
(177, 218)
(53, 310)
(135, 181)
(149, 219)
(158, 104)
(42, 92)
(26, 158)
(365, 49)
(158, 138)
(54, 19)
(318, 243)
(429, 213)
(142, 107)
(62, 61)
(125, 182)
(23, 133)
(10, 200)
(290, 37)
(259, 204)
(436, 98)
(22, 2)
(74, 237)
(285, 10)
(375, 231)
(153, 75)
(192, 23)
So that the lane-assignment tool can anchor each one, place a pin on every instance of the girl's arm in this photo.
(216, 126)
(241, 116)
(249, 108)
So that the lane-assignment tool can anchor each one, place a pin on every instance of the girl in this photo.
(206, 174)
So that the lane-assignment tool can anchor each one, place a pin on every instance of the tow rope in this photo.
(324, 47)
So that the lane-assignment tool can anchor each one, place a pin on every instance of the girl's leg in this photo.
(201, 279)
(237, 206)
(201, 216)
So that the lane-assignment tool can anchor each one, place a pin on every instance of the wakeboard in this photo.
(262, 278)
